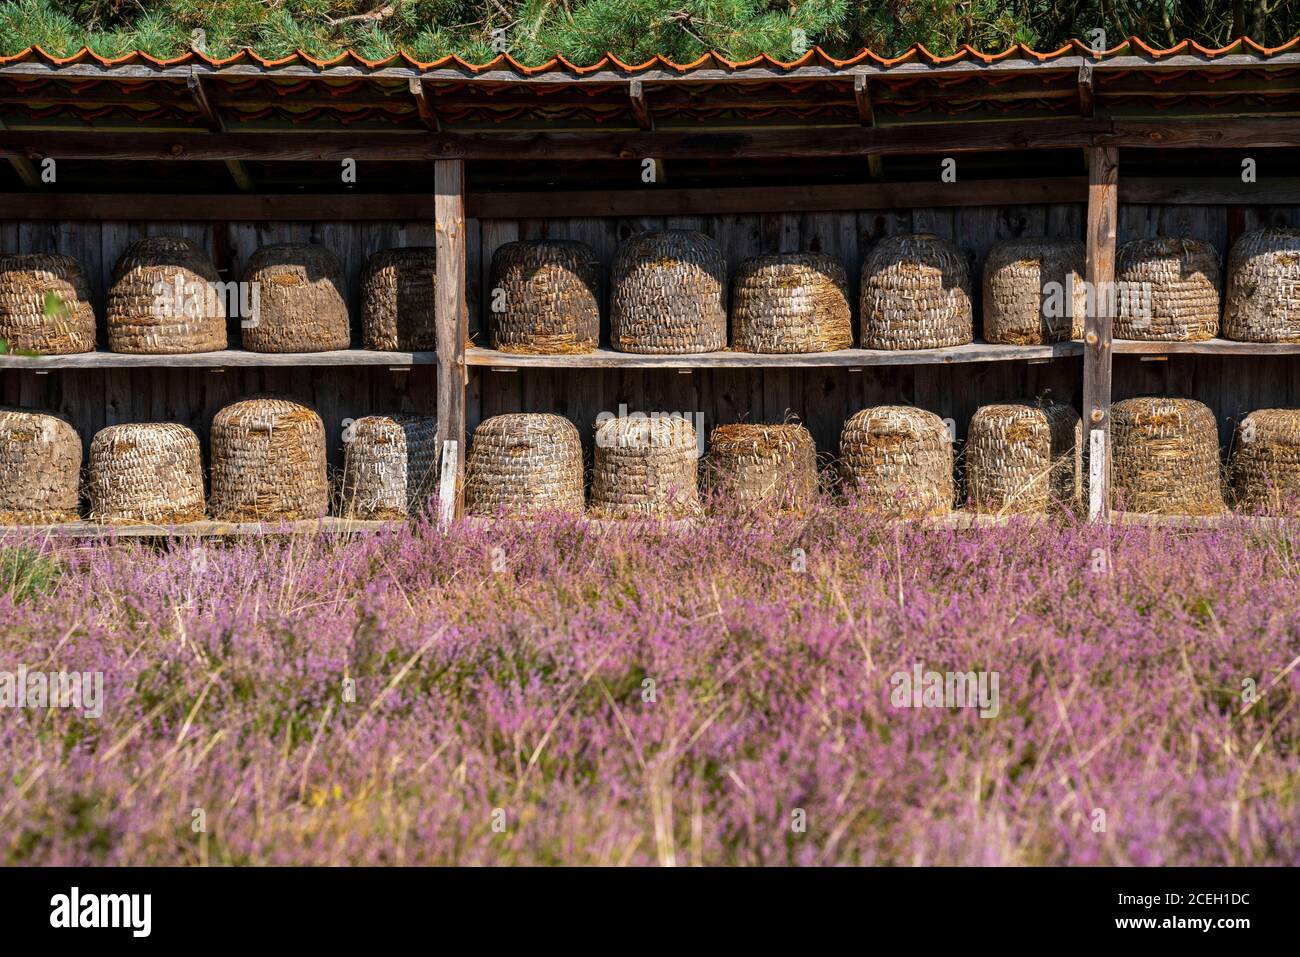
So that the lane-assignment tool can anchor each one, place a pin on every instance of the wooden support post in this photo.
(1103, 215)
(451, 312)
(427, 114)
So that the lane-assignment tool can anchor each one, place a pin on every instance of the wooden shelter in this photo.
(818, 154)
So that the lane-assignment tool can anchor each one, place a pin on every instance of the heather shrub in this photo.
(726, 693)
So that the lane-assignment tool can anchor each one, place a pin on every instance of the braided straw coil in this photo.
(548, 294)
(916, 294)
(45, 305)
(791, 302)
(1265, 468)
(146, 473)
(769, 467)
(898, 460)
(668, 294)
(1034, 292)
(397, 293)
(1167, 290)
(389, 466)
(645, 466)
(303, 300)
(268, 462)
(1023, 457)
(524, 464)
(1264, 287)
(162, 300)
(1165, 457)
(40, 468)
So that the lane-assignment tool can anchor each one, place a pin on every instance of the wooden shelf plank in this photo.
(226, 358)
(1218, 347)
(204, 529)
(843, 358)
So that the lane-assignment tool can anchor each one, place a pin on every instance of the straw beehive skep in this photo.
(145, 473)
(898, 460)
(645, 466)
(791, 302)
(162, 302)
(389, 466)
(771, 467)
(1024, 457)
(1034, 291)
(397, 294)
(1265, 468)
(668, 294)
(1182, 277)
(916, 294)
(268, 462)
(549, 297)
(1264, 287)
(40, 468)
(30, 282)
(303, 300)
(1165, 457)
(524, 464)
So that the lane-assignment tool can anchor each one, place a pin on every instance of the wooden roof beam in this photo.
(427, 115)
(1087, 95)
(867, 117)
(640, 105)
(25, 168)
(238, 171)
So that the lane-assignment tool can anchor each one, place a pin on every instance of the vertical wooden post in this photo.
(1103, 215)
(451, 314)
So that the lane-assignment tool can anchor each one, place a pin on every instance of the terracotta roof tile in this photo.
(1132, 46)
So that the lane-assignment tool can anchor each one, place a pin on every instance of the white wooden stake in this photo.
(1096, 472)
(447, 488)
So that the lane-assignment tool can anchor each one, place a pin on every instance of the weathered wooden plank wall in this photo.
(822, 398)
(94, 398)
(1232, 386)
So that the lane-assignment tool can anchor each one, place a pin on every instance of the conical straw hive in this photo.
(389, 466)
(146, 473)
(791, 302)
(545, 298)
(40, 468)
(916, 294)
(1165, 457)
(397, 296)
(668, 292)
(268, 462)
(898, 460)
(524, 464)
(45, 305)
(645, 467)
(1024, 457)
(162, 300)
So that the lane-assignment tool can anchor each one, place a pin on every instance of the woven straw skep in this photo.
(303, 300)
(1165, 457)
(268, 462)
(1034, 291)
(524, 464)
(791, 302)
(40, 468)
(389, 466)
(397, 292)
(549, 294)
(898, 460)
(668, 292)
(645, 467)
(1024, 457)
(916, 294)
(30, 282)
(162, 301)
(768, 467)
(1264, 287)
(1182, 277)
(1265, 467)
(145, 473)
